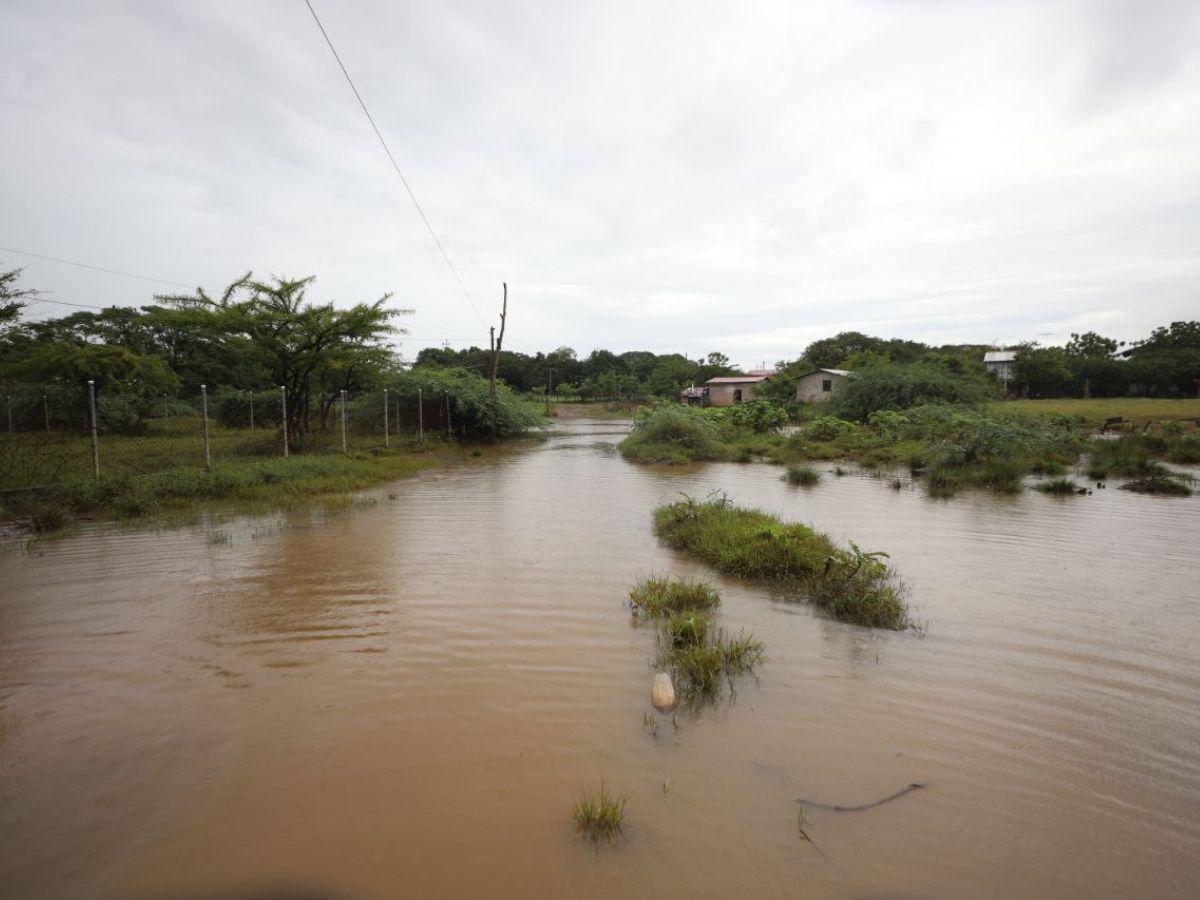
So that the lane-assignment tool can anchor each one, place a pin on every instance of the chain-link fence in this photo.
(52, 432)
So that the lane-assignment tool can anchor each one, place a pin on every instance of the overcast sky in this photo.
(743, 177)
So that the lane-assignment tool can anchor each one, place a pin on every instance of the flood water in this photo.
(405, 700)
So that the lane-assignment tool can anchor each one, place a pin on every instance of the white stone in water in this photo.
(662, 692)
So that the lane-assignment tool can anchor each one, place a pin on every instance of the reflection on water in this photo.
(406, 700)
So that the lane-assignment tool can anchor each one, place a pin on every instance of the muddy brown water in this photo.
(406, 699)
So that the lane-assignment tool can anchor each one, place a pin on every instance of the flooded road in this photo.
(406, 699)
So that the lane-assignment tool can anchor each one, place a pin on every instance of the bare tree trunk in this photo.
(499, 343)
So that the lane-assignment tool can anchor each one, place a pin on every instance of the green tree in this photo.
(297, 342)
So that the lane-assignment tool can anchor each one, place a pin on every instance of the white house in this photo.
(819, 385)
(1001, 364)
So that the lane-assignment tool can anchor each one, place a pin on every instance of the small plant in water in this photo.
(217, 537)
(803, 476)
(598, 816)
(1063, 486)
(661, 597)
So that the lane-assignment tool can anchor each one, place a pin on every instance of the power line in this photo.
(395, 165)
(71, 262)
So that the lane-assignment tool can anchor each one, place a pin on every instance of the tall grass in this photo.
(802, 476)
(657, 596)
(851, 584)
(599, 816)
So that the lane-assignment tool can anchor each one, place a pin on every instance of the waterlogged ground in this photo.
(405, 699)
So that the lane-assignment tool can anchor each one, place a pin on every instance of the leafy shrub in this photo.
(673, 434)
(117, 414)
(900, 387)
(759, 416)
(232, 408)
(828, 428)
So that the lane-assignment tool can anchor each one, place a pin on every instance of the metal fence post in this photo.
(385, 419)
(95, 434)
(204, 407)
(449, 427)
(251, 410)
(344, 450)
(283, 406)
(46, 412)
(10, 425)
(420, 418)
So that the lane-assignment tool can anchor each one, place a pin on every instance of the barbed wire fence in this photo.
(56, 431)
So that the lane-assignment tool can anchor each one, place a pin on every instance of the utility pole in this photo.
(549, 388)
(499, 342)
(385, 419)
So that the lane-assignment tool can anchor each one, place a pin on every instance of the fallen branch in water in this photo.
(888, 799)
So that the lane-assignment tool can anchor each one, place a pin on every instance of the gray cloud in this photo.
(667, 176)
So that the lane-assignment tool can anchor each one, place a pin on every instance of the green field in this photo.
(1133, 409)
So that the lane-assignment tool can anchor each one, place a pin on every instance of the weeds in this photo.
(1062, 486)
(702, 661)
(659, 597)
(1159, 484)
(599, 816)
(803, 476)
(217, 537)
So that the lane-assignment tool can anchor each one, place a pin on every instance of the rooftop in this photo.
(739, 379)
(1000, 356)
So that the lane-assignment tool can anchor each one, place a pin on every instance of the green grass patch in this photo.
(1060, 486)
(703, 659)
(1159, 484)
(1097, 411)
(268, 483)
(852, 585)
(658, 597)
(802, 476)
(599, 815)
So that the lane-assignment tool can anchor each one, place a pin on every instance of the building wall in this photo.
(1002, 370)
(722, 394)
(811, 388)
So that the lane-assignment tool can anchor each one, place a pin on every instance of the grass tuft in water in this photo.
(659, 597)
(1159, 484)
(802, 476)
(700, 665)
(217, 537)
(598, 816)
(1062, 486)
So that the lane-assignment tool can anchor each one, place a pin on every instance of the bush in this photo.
(673, 434)
(232, 408)
(117, 414)
(900, 387)
(828, 428)
(759, 416)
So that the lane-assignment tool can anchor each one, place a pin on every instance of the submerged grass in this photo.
(851, 584)
(1159, 484)
(659, 597)
(701, 660)
(275, 483)
(599, 816)
(803, 476)
(1061, 486)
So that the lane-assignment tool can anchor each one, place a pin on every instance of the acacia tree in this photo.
(296, 341)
